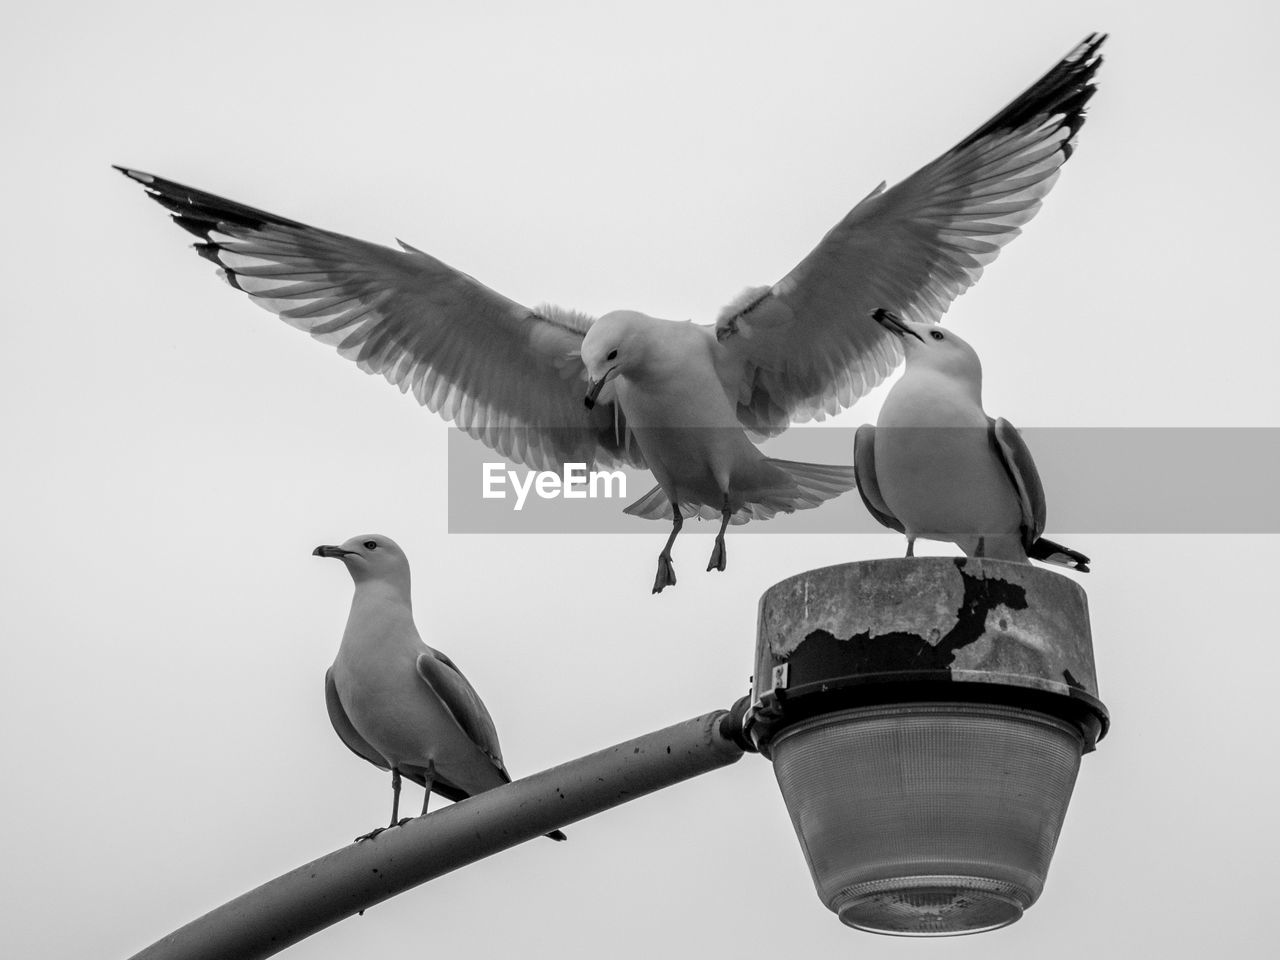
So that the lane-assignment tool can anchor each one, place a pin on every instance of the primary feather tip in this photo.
(134, 174)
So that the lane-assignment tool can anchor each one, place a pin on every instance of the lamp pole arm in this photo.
(295, 905)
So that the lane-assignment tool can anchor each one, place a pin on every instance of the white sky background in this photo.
(174, 452)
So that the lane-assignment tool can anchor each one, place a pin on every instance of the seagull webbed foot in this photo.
(666, 573)
(719, 556)
(370, 835)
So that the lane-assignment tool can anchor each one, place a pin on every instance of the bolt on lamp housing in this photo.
(926, 718)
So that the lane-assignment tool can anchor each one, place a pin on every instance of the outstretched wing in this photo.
(1016, 459)
(343, 727)
(807, 347)
(864, 471)
(509, 376)
(455, 691)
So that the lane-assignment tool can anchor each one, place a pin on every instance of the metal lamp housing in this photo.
(926, 718)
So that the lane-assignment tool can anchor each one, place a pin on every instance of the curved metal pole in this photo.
(291, 907)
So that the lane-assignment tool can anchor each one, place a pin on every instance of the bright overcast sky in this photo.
(173, 452)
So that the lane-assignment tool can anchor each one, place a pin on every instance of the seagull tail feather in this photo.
(654, 505)
(1050, 552)
(793, 486)
(810, 485)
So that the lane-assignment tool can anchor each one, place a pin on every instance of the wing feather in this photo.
(864, 469)
(1021, 468)
(455, 691)
(508, 375)
(807, 347)
(343, 727)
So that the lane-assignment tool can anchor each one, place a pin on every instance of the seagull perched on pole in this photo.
(684, 400)
(936, 466)
(397, 702)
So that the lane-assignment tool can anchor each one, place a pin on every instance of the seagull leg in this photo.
(395, 808)
(403, 820)
(431, 778)
(718, 555)
(911, 546)
(981, 549)
(666, 572)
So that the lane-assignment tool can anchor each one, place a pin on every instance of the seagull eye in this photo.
(935, 334)
(613, 355)
(371, 544)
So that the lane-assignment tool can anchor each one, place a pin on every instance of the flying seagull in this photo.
(684, 400)
(936, 466)
(397, 702)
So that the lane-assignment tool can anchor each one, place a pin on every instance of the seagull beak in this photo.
(328, 551)
(893, 324)
(595, 386)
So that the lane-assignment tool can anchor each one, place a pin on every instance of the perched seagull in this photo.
(395, 701)
(936, 466)
(684, 400)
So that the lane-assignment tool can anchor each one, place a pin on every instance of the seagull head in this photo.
(369, 557)
(615, 345)
(927, 346)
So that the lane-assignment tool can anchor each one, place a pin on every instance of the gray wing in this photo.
(509, 376)
(455, 691)
(1016, 459)
(864, 471)
(342, 725)
(807, 346)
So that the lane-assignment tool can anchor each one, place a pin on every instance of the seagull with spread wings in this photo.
(684, 400)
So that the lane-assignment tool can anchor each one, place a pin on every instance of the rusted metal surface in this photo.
(928, 620)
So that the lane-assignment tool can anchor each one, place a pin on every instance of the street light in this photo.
(926, 719)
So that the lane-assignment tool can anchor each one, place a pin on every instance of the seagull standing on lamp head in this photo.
(936, 466)
(516, 378)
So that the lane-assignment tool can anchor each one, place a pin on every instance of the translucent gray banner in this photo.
(1096, 480)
